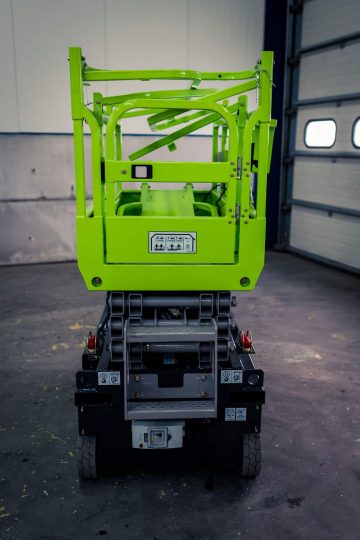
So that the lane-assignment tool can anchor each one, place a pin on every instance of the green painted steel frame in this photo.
(113, 248)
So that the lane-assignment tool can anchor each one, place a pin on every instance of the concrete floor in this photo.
(305, 320)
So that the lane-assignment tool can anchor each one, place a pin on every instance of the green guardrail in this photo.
(146, 237)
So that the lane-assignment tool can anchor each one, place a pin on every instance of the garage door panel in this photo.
(336, 182)
(328, 19)
(323, 184)
(336, 238)
(330, 72)
(344, 116)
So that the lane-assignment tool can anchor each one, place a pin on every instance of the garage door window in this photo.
(356, 133)
(320, 133)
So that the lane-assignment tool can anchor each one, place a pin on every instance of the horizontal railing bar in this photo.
(159, 135)
(121, 171)
(93, 74)
(162, 94)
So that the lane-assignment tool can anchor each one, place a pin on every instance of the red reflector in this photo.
(91, 342)
(245, 340)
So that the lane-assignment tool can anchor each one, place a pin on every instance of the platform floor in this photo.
(305, 322)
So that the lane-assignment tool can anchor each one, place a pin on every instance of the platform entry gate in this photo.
(321, 182)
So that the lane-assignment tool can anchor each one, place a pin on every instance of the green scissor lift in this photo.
(168, 361)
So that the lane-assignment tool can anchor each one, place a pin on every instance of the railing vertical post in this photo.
(77, 106)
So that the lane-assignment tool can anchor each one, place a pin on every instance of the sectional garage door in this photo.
(321, 183)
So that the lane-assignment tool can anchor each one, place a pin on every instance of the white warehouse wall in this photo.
(36, 170)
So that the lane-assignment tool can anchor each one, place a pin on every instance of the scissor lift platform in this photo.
(168, 363)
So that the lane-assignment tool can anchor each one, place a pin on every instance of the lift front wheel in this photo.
(87, 462)
(251, 455)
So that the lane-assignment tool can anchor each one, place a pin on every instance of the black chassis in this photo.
(101, 408)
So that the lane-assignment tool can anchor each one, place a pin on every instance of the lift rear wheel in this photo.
(251, 455)
(87, 460)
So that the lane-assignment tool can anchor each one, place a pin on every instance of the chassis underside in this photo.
(167, 371)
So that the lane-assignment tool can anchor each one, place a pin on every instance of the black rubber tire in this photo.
(251, 455)
(87, 460)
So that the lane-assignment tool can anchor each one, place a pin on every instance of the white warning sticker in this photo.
(237, 414)
(172, 242)
(108, 377)
(231, 376)
(230, 414)
(240, 414)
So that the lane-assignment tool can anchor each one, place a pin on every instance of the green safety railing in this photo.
(228, 219)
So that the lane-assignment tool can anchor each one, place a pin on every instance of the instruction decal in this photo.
(237, 414)
(230, 414)
(231, 376)
(240, 414)
(108, 377)
(172, 242)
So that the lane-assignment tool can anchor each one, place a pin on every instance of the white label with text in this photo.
(237, 414)
(108, 377)
(172, 242)
(231, 376)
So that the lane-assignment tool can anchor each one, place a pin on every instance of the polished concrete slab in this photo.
(305, 322)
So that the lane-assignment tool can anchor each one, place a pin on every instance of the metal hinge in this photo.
(102, 170)
(239, 167)
(237, 213)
